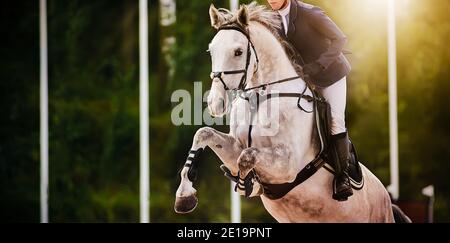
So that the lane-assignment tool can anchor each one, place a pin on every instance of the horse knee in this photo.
(247, 159)
(203, 134)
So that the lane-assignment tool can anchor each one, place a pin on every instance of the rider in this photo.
(319, 42)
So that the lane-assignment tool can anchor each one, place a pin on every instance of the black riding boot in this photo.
(342, 188)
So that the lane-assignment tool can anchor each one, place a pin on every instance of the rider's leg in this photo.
(336, 95)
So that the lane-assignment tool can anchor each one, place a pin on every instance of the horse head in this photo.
(234, 59)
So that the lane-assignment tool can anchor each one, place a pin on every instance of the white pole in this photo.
(144, 114)
(234, 5)
(168, 18)
(235, 197)
(429, 192)
(44, 110)
(393, 127)
(235, 205)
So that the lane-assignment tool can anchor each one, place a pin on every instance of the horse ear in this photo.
(217, 19)
(242, 16)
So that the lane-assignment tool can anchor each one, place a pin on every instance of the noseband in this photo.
(243, 82)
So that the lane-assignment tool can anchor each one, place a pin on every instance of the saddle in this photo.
(322, 114)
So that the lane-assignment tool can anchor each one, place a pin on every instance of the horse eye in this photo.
(238, 53)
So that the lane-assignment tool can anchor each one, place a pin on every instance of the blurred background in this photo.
(94, 106)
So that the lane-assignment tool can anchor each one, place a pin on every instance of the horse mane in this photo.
(271, 20)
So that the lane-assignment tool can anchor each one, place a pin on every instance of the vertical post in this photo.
(235, 197)
(168, 18)
(429, 192)
(393, 127)
(44, 110)
(144, 113)
(234, 5)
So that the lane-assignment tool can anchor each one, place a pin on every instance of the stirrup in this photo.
(344, 195)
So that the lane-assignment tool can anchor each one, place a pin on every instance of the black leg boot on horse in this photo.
(342, 188)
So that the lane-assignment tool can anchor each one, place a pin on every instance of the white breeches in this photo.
(336, 95)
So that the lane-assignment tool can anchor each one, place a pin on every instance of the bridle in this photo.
(243, 82)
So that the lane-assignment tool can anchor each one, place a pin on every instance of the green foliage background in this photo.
(94, 107)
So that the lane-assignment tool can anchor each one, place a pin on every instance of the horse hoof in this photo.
(184, 205)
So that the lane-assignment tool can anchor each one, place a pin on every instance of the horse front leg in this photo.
(226, 148)
(272, 164)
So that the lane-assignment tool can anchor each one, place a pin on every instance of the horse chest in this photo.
(256, 133)
(259, 126)
(241, 133)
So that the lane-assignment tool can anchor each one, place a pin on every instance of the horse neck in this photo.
(275, 65)
(273, 62)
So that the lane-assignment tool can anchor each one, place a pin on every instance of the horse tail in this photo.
(399, 216)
